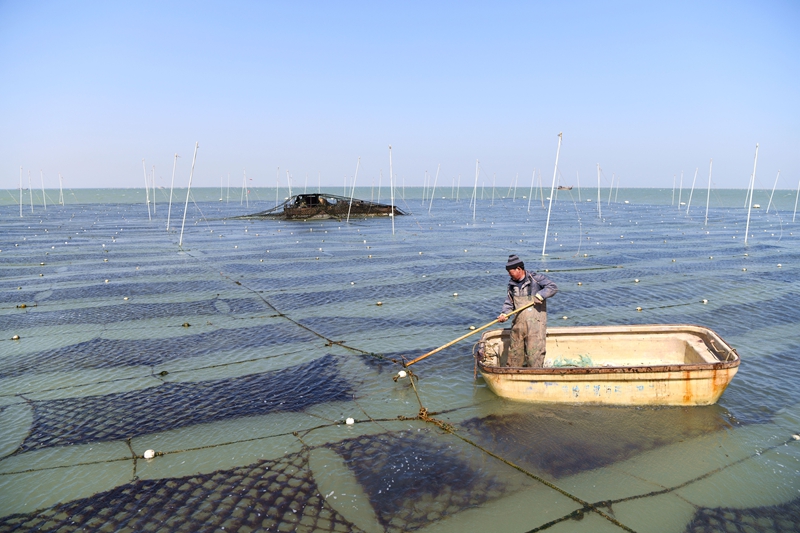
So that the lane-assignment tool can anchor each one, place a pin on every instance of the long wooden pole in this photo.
(430, 202)
(689, 204)
(188, 192)
(708, 194)
(461, 338)
(146, 190)
(475, 191)
(391, 186)
(172, 185)
(750, 203)
(530, 193)
(768, 205)
(353, 190)
(552, 191)
(796, 196)
(44, 201)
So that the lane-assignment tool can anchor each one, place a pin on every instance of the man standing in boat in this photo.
(529, 327)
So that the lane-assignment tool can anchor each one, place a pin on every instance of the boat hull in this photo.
(633, 365)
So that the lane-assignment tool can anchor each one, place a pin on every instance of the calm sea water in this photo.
(238, 357)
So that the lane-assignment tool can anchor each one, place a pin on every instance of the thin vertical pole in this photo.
(494, 178)
(60, 190)
(458, 187)
(530, 193)
(673, 189)
(475, 191)
(599, 214)
(750, 204)
(516, 179)
(44, 201)
(796, 196)
(153, 182)
(305, 187)
(616, 194)
(277, 184)
(353, 190)
(430, 204)
(289, 183)
(246, 189)
(391, 187)
(708, 194)
(172, 185)
(612, 188)
(241, 197)
(541, 192)
(20, 192)
(30, 190)
(146, 190)
(228, 191)
(768, 205)
(380, 181)
(689, 204)
(552, 190)
(680, 190)
(188, 192)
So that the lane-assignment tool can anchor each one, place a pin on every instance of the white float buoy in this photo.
(779, 265)
(472, 327)
(796, 437)
(636, 281)
(455, 294)
(402, 374)
(704, 301)
(149, 454)
(379, 303)
(350, 421)
(579, 283)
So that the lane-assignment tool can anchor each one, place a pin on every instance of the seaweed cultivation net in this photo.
(295, 291)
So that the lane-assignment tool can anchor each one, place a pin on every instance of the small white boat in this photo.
(674, 364)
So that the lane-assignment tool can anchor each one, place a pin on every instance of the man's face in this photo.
(516, 273)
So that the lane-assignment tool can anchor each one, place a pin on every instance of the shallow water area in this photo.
(239, 356)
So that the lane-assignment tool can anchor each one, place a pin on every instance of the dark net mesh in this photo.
(783, 518)
(412, 480)
(174, 405)
(275, 495)
(110, 353)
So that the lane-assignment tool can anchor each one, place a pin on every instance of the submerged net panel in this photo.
(113, 353)
(412, 480)
(563, 441)
(274, 495)
(110, 314)
(173, 405)
(783, 518)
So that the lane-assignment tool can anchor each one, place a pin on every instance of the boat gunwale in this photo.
(621, 329)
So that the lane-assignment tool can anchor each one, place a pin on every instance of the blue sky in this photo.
(646, 89)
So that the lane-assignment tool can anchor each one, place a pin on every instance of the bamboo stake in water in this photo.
(612, 188)
(430, 204)
(689, 204)
(44, 201)
(188, 192)
(541, 192)
(277, 184)
(146, 190)
(20, 192)
(673, 189)
(153, 183)
(552, 189)
(461, 338)
(768, 205)
(172, 185)
(475, 191)
(616, 194)
(516, 179)
(750, 204)
(391, 187)
(708, 194)
(680, 190)
(796, 196)
(289, 182)
(353, 190)
(494, 178)
(530, 193)
(60, 190)
(599, 215)
(305, 187)
(458, 187)
(30, 190)
(244, 177)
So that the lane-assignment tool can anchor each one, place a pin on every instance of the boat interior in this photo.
(621, 346)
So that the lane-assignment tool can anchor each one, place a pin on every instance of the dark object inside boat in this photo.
(319, 206)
